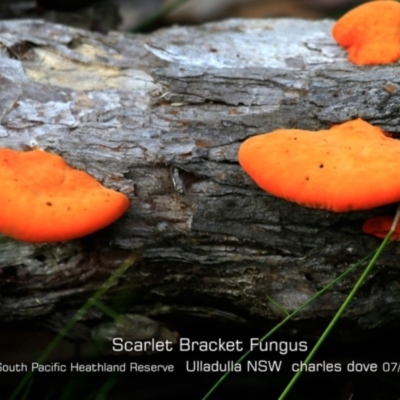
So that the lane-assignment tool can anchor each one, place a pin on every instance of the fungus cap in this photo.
(380, 226)
(370, 33)
(43, 199)
(352, 166)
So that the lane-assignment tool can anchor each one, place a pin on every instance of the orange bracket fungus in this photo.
(370, 33)
(351, 166)
(380, 226)
(43, 199)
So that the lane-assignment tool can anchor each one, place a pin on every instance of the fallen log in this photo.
(160, 118)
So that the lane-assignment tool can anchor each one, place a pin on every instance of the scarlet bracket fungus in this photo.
(352, 166)
(380, 226)
(42, 199)
(370, 33)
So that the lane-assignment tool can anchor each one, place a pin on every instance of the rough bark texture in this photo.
(160, 117)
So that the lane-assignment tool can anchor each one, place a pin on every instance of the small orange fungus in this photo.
(351, 166)
(43, 199)
(370, 33)
(380, 226)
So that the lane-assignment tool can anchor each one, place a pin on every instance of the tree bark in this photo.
(160, 118)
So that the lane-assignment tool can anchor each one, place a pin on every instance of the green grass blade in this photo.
(278, 306)
(286, 319)
(104, 308)
(339, 313)
(168, 8)
(107, 387)
(77, 316)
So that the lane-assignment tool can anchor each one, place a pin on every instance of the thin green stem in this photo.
(77, 316)
(104, 308)
(278, 306)
(338, 313)
(288, 317)
(157, 15)
(107, 387)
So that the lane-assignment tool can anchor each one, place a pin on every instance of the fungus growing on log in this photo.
(380, 226)
(351, 166)
(370, 33)
(43, 199)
